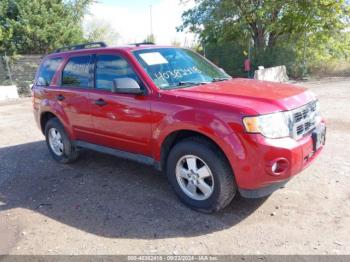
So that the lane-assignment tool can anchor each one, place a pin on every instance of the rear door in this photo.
(121, 121)
(75, 83)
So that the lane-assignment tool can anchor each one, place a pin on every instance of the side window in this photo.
(47, 71)
(77, 72)
(110, 67)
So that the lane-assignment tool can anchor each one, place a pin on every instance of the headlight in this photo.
(274, 125)
(318, 117)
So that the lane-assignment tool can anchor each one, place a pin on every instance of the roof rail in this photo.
(143, 43)
(80, 46)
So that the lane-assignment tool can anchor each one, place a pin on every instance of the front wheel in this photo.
(200, 175)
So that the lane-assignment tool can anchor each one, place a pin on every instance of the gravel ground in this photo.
(105, 205)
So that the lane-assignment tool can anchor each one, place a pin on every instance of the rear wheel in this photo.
(200, 175)
(60, 147)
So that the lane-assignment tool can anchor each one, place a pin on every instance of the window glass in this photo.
(77, 72)
(47, 71)
(178, 68)
(110, 67)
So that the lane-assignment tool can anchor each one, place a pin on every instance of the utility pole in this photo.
(151, 19)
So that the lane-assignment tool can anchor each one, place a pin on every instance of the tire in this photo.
(220, 179)
(60, 147)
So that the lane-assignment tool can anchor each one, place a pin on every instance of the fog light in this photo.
(278, 166)
(274, 167)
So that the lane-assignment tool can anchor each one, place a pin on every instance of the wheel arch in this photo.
(44, 118)
(179, 135)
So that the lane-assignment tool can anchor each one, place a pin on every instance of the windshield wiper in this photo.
(192, 83)
(219, 79)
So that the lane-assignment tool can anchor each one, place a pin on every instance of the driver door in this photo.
(121, 121)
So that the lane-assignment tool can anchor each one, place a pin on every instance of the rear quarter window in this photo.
(47, 70)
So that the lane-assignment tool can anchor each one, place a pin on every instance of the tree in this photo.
(39, 26)
(101, 30)
(265, 21)
(175, 43)
(286, 32)
(150, 39)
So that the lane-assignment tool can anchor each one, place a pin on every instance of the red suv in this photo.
(169, 107)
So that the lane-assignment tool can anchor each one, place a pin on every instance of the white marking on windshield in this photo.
(177, 73)
(154, 58)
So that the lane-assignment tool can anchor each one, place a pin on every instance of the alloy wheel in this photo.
(194, 177)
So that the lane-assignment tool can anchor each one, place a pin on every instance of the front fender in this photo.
(203, 123)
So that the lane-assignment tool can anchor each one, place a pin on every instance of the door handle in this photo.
(60, 97)
(100, 102)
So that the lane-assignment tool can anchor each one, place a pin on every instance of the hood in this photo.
(261, 96)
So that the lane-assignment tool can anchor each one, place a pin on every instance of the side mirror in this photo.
(126, 86)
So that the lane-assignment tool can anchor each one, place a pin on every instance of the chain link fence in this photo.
(19, 71)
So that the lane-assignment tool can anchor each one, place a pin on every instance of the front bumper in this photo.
(263, 191)
(254, 174)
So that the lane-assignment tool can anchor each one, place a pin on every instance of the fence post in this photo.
(250, 55)
(8, 68)
(304, 73)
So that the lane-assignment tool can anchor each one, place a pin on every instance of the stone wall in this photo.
(23, 69)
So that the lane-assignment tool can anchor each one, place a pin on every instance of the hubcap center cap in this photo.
(193, 177)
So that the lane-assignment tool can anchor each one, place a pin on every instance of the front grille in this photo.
(304, 119)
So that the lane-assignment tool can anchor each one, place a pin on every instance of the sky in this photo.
(131, 19)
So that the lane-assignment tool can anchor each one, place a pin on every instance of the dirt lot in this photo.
(105, 205)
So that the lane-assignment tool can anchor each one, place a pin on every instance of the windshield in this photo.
(177, 67)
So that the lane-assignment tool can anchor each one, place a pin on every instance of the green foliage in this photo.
(150, 39)
(39, 26)
(265, 21)
(101, 30)
(175, 43)
(226, 55)
(282, 32)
